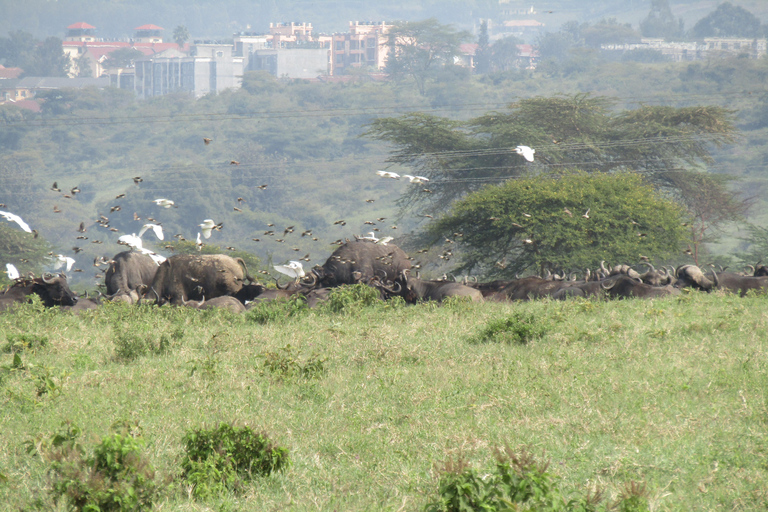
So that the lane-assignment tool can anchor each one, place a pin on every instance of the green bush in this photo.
(226, 457)
(350, 298)
(277, 310)
(116, 477)
(519, 482)
(130, 346)
(518, 328)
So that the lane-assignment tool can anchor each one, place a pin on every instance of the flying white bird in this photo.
(385, 240)
(13, 273)
(11, 217)
(165, 203)
(387, 174)
(416, 179)
(199, 243)
(157, 228)
(131, 240)
(526, 152)
(207, 226)
(372, 237)
(61, 260)
(293, 269)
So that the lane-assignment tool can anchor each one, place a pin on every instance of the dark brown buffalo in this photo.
(529, 288)
(415, 290)
(187, 277)
(53, 290)
(360, 261)
(127, 271)
(691, 275)
(626, 287)
(735, 283)
(223, 302)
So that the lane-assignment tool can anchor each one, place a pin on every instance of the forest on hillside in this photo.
(305, 142)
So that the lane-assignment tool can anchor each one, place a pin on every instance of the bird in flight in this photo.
(165, 203)
(293, 269)
(208, 226)
(11, 217)
(586, 214)
(416, 179)
(568, 212)
(62, 260)
(207, 140)
(526, 152)
(387, 174)
(157, 228)
(12, 271)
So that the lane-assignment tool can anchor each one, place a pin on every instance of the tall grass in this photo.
(666, 393)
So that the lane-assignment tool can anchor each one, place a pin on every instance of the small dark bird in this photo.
(55, 187)
(314, 238)
(493, 218)
(82, 228)
(74, 190)
(240, 200)
(76, 249)
(642, 235)
(270, 225)
(339, 222)
(119, 196)
(261, 187)
(81, 237)
(369, 223)
(136, 216)
(96, 241)
(296, 249)
(307, 232)
(137, 180)
(115, 208)
(67, 196)
(207, 140)
(369, 200)
(644, 258)
(568, 212)
(279, 240)
(77, 270)
(35, 234)
(269, 233)
(231, 248)
(234, 162)
(427, 216)
(392, 227)
(381, 219)
(287, 230)
(114, 230)
(426, 190)
(56, 209)
(256, 239)
(236, 209)
(305, 258)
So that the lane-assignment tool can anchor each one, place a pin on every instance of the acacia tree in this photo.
(568, 222)
(417, 48)
(576, 131)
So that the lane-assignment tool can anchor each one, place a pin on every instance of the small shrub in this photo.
(116, 476)
(518, 328)
(225, 458)
(130, 346)
(277, 310)
(351, 298)
(24, 343)
(519, 482)
(284, 363)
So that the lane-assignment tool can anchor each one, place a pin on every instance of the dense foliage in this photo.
(570, 222)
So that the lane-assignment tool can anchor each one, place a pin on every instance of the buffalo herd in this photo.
(220, 281)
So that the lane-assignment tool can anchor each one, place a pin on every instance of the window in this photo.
(339, 59)
(219, 54)
(339, 45)
(354, 45)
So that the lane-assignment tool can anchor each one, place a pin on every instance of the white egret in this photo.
(385, 240)
(416, 179)
(131, 240)
(12, 271)
(157, 228)
(11, 217)
(165, 203)
(61, 260)
(199, 243)
(387, 174)
(293, 269)
(207, 226)
(526, 152)
(372, 237)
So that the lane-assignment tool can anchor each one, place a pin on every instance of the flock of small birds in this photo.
(293, 268)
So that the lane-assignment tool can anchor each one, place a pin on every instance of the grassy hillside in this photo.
(666, 392)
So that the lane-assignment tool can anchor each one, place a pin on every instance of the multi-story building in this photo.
(363, 46)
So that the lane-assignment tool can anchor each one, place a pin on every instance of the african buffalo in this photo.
(227, 302)
(194, 277)
(736, 283)
(127, 271)
(415, 290)
(360, 261)
(625, 287)
(53, 290)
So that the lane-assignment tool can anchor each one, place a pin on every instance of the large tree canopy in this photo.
(578, 131)
(728, 20)
(562, 223)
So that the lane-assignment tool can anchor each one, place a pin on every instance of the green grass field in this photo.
(668, 392)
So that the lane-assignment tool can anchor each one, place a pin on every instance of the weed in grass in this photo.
(520, 482)
(284, 364)
(207, 366)
(130, 345)
(351, 298)
(517, 328)
(116, 476)
(24, 343)
(225, 458)
(277, 310)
